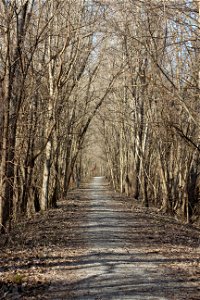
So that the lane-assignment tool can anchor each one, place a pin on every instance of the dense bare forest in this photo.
(99, 87)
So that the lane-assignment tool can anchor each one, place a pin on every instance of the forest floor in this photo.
(98, 245)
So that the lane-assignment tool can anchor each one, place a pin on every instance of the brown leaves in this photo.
(94, 239)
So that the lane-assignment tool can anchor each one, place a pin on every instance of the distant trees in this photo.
(60, 62)
(50, 58)
(152, 136)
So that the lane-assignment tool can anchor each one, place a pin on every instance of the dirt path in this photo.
(96, 247)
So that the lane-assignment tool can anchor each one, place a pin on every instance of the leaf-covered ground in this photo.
(97, 245)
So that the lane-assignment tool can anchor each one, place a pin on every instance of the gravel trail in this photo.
(97, 246)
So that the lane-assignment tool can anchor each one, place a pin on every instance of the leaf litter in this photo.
(98, 244)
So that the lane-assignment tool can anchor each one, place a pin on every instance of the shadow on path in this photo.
(95, 247)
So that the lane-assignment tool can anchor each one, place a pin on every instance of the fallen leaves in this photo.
(91, 235)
